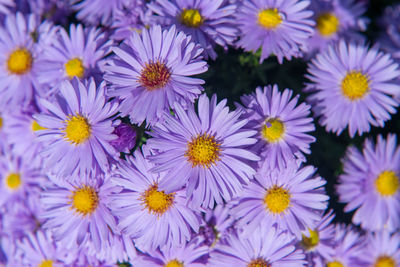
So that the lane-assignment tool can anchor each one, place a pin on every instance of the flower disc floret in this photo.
(77, 129)
(387, 183)
(46, 263)
(203, 150)
(311, 241)
(19, 61)
(13, 181)
(157, 202)
(36, 127)
(327, 24)
(258, 263)
(191, 18)
(355, 85)
(273, 130)
(277, 199)
(334, 264)
(174, 263)
(84, 200)
(74, 68)
(154, 75)
(385, 261)
(269, 18)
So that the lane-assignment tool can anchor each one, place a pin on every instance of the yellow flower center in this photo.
(19, 61)
(154, 76)
(269, 18)
(174, 263)
(258, 263)
(334, 264)
(74, 68)
(46, 263)
(36, 127)
(385, 261)
(77, 129)
(327, 24)
(13, 181)
(157, 202)
(273, 130)
(355, 85)
(312, 241)
(277, 199)
(1, 123)
(387, 183)
(191, 18)
(84, 200)
(203, 150)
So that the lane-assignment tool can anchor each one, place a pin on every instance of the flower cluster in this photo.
(115, 151)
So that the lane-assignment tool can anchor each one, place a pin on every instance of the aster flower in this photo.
(282, 127)
(149, 72)
(291, 199)
(382, 249)
(209, 22)
(204, 151)
(126, 137)
(390, 36)
(353, 86)
(39, 249)
(370, 184)
(78, 129)
(152, 217)
(75, 211)
(277, 27)
(334, 20)
(78, 54)
(318, 243)
(188, 255)
(348, 248)
(266, 247)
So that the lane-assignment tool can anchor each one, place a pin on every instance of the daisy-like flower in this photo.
(126, 137)
(353, 86)
(282, 126)
(292, 199)
(39, 249)
(189, 255)
(370, 184)
(280, 28)
(209, 22)
(78, 129)
(336, 19)
(382, 249)
(146, 212)
(149, 72)
(390, 38)
(318, 242)
(266, 247)
(78, 54)
(204, 151)
(75, 211)
(348, 246)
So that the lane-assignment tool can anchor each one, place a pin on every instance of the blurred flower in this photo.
(280, 28)
(390, 36)
(290, 199)
(382, 249)
(204, 151)
(209, 22)
(78, 129)
(282, 127)
(149, 72)
(370, 184)
(126, 137)
(152, 217)
(5, 6)
(353, 86)
(266, 247)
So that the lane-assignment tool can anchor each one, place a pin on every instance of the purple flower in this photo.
(76, 212)
(353, 86)
(290, 199)
(370, 184)
(126, 137)
(204, 151)
(209, 22)
(280, 28)
(78, 54)
(78, 129)
(282, 127)
(266, 247)
(5, 6)
(149, 72)
(390, 37)
(152, 217)
(382, 249)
